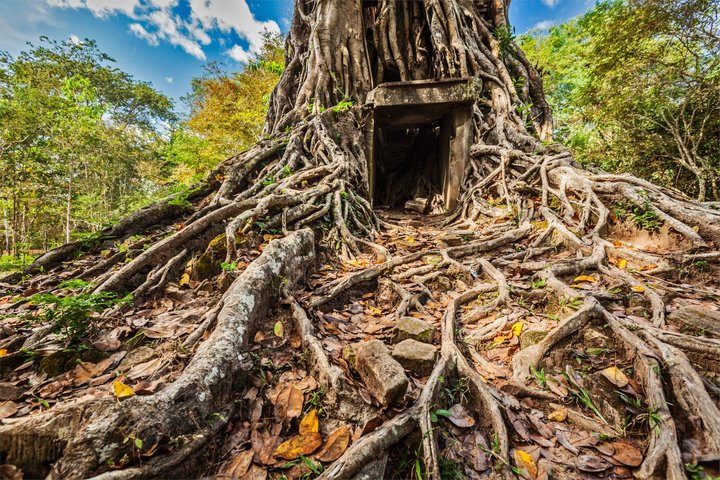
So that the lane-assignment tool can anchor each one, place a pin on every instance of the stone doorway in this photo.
(419, 139)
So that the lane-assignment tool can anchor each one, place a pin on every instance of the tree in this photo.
(636, 85)
(73, 127)
(227, 112)
(544, 221)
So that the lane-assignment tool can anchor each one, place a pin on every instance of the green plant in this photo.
(343, 105)
(582, 396)
(642, 216)
(697, 472)
(701, 265)
(314, 401)
(450, 470)
(455, 392)
(539, 283)
(71, 315)
(505, 38)
(74, 284)
(229, 266)
(540, 377)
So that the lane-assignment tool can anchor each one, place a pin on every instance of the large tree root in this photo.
(81, 441)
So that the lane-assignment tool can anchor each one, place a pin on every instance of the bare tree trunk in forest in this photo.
(530, 223)
(68, 202)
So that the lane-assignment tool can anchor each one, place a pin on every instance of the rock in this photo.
(594, 339)
(383, 375)
(416, 357)
(701, 319)
(416, 205)
(451, 240)
(414, 328)
(530, 337)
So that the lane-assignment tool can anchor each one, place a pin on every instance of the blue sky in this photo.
(167, 42)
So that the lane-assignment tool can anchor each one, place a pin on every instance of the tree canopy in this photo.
(635, 87)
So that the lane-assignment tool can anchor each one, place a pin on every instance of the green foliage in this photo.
(71, 316)
(505, 38)
(635, 87)
(343, 105)
(642, 216)
(229, 266)
(74, 284)
(76, 134)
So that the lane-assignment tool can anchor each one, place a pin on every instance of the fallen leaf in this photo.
(184, 280)
(591, 463)
(517, 328)
(3, 352)
(638, 288)
(524, 461)
(299, 445)
(622, 263)
(289, 403)
(335, 445)
(558, 415)
(460, 416)
(309, 423)
(585, 278)
(121, 390)
(615, 376)
(238, 465)
(8, 409)
(279, 329)
(256, 472)
(627, 454)
(144, 369)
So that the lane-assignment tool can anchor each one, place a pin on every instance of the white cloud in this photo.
(158, 20)
(238, 54)
(140, 32)
(544, 25)
(74, 39)
(100, 8)
(550, 3)
(169, 79)
(227, 15)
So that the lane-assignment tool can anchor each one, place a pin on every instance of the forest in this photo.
(402, 241)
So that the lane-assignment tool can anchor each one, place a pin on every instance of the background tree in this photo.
(635, 86)
(75, 132)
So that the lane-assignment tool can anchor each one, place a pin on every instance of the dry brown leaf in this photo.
(309, 423)
(591, 463)
(144, 369)
(8, 409)
(299, 445)
(460, 416)
(615, 376)
(335, 445)
(256, 472)
(627, 454)
(239, 464)
(289, 403)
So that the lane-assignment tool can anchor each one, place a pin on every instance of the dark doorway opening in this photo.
(419, 141)
(407, 164)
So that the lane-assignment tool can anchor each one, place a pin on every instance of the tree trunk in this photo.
(531, 238)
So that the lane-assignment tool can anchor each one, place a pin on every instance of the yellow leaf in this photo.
(309, 423)
(336, 444)
(615, 376)
(410, 239)
(622, 263)
(516, 328)
(584, 278)
(299, 445)
(3, 352)
(638, 288)
(121, 390)
(558, 415)
(526, 462)
(647, 267)
(278, 329)
(184, 280)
